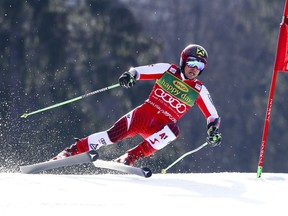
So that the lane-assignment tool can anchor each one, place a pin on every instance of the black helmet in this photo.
(193, 50)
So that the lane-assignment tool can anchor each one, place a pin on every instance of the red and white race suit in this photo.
(155, 120)
(171, 98)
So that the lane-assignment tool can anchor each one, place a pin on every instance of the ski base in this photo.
(86, 157)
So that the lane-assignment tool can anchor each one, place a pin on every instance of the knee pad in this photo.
(163, 137)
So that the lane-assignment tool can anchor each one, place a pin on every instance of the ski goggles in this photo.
(194, 62)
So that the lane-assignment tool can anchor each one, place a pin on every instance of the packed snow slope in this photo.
(163, 194)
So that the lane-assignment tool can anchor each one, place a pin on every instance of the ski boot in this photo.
(142, 150)
(125, 159)
(80, 146)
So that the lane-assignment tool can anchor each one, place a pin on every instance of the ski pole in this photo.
(25, 115)
(184, 155)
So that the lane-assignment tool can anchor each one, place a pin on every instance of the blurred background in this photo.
(55, 50)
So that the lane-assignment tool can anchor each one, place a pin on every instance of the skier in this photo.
(175, 91)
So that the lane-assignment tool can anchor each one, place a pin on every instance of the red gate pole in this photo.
(266, 124)
(281, 64)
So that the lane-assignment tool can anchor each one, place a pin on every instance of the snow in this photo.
(121, 194)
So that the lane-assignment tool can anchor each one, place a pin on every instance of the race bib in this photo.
(179, 89)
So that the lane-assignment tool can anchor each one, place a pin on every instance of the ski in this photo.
(144, 172)
(86, 157)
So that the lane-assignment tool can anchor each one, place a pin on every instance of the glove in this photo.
(214, 138)
(127, 80)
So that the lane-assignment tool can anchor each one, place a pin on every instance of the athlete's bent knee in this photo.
(163, 137)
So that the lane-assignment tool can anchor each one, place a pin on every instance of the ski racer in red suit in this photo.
(175, 91)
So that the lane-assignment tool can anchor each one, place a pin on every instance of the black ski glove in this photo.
(127, 80)
(214, 138)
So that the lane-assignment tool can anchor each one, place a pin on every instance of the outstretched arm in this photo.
(146, 72)
(205, 103)
(150, 72)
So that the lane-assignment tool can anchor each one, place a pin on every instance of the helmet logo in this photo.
(200, 52)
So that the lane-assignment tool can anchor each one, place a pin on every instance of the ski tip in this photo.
(94, 155)
(24, 170)
(147, 172)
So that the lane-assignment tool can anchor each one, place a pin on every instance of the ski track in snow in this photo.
(167, 194)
